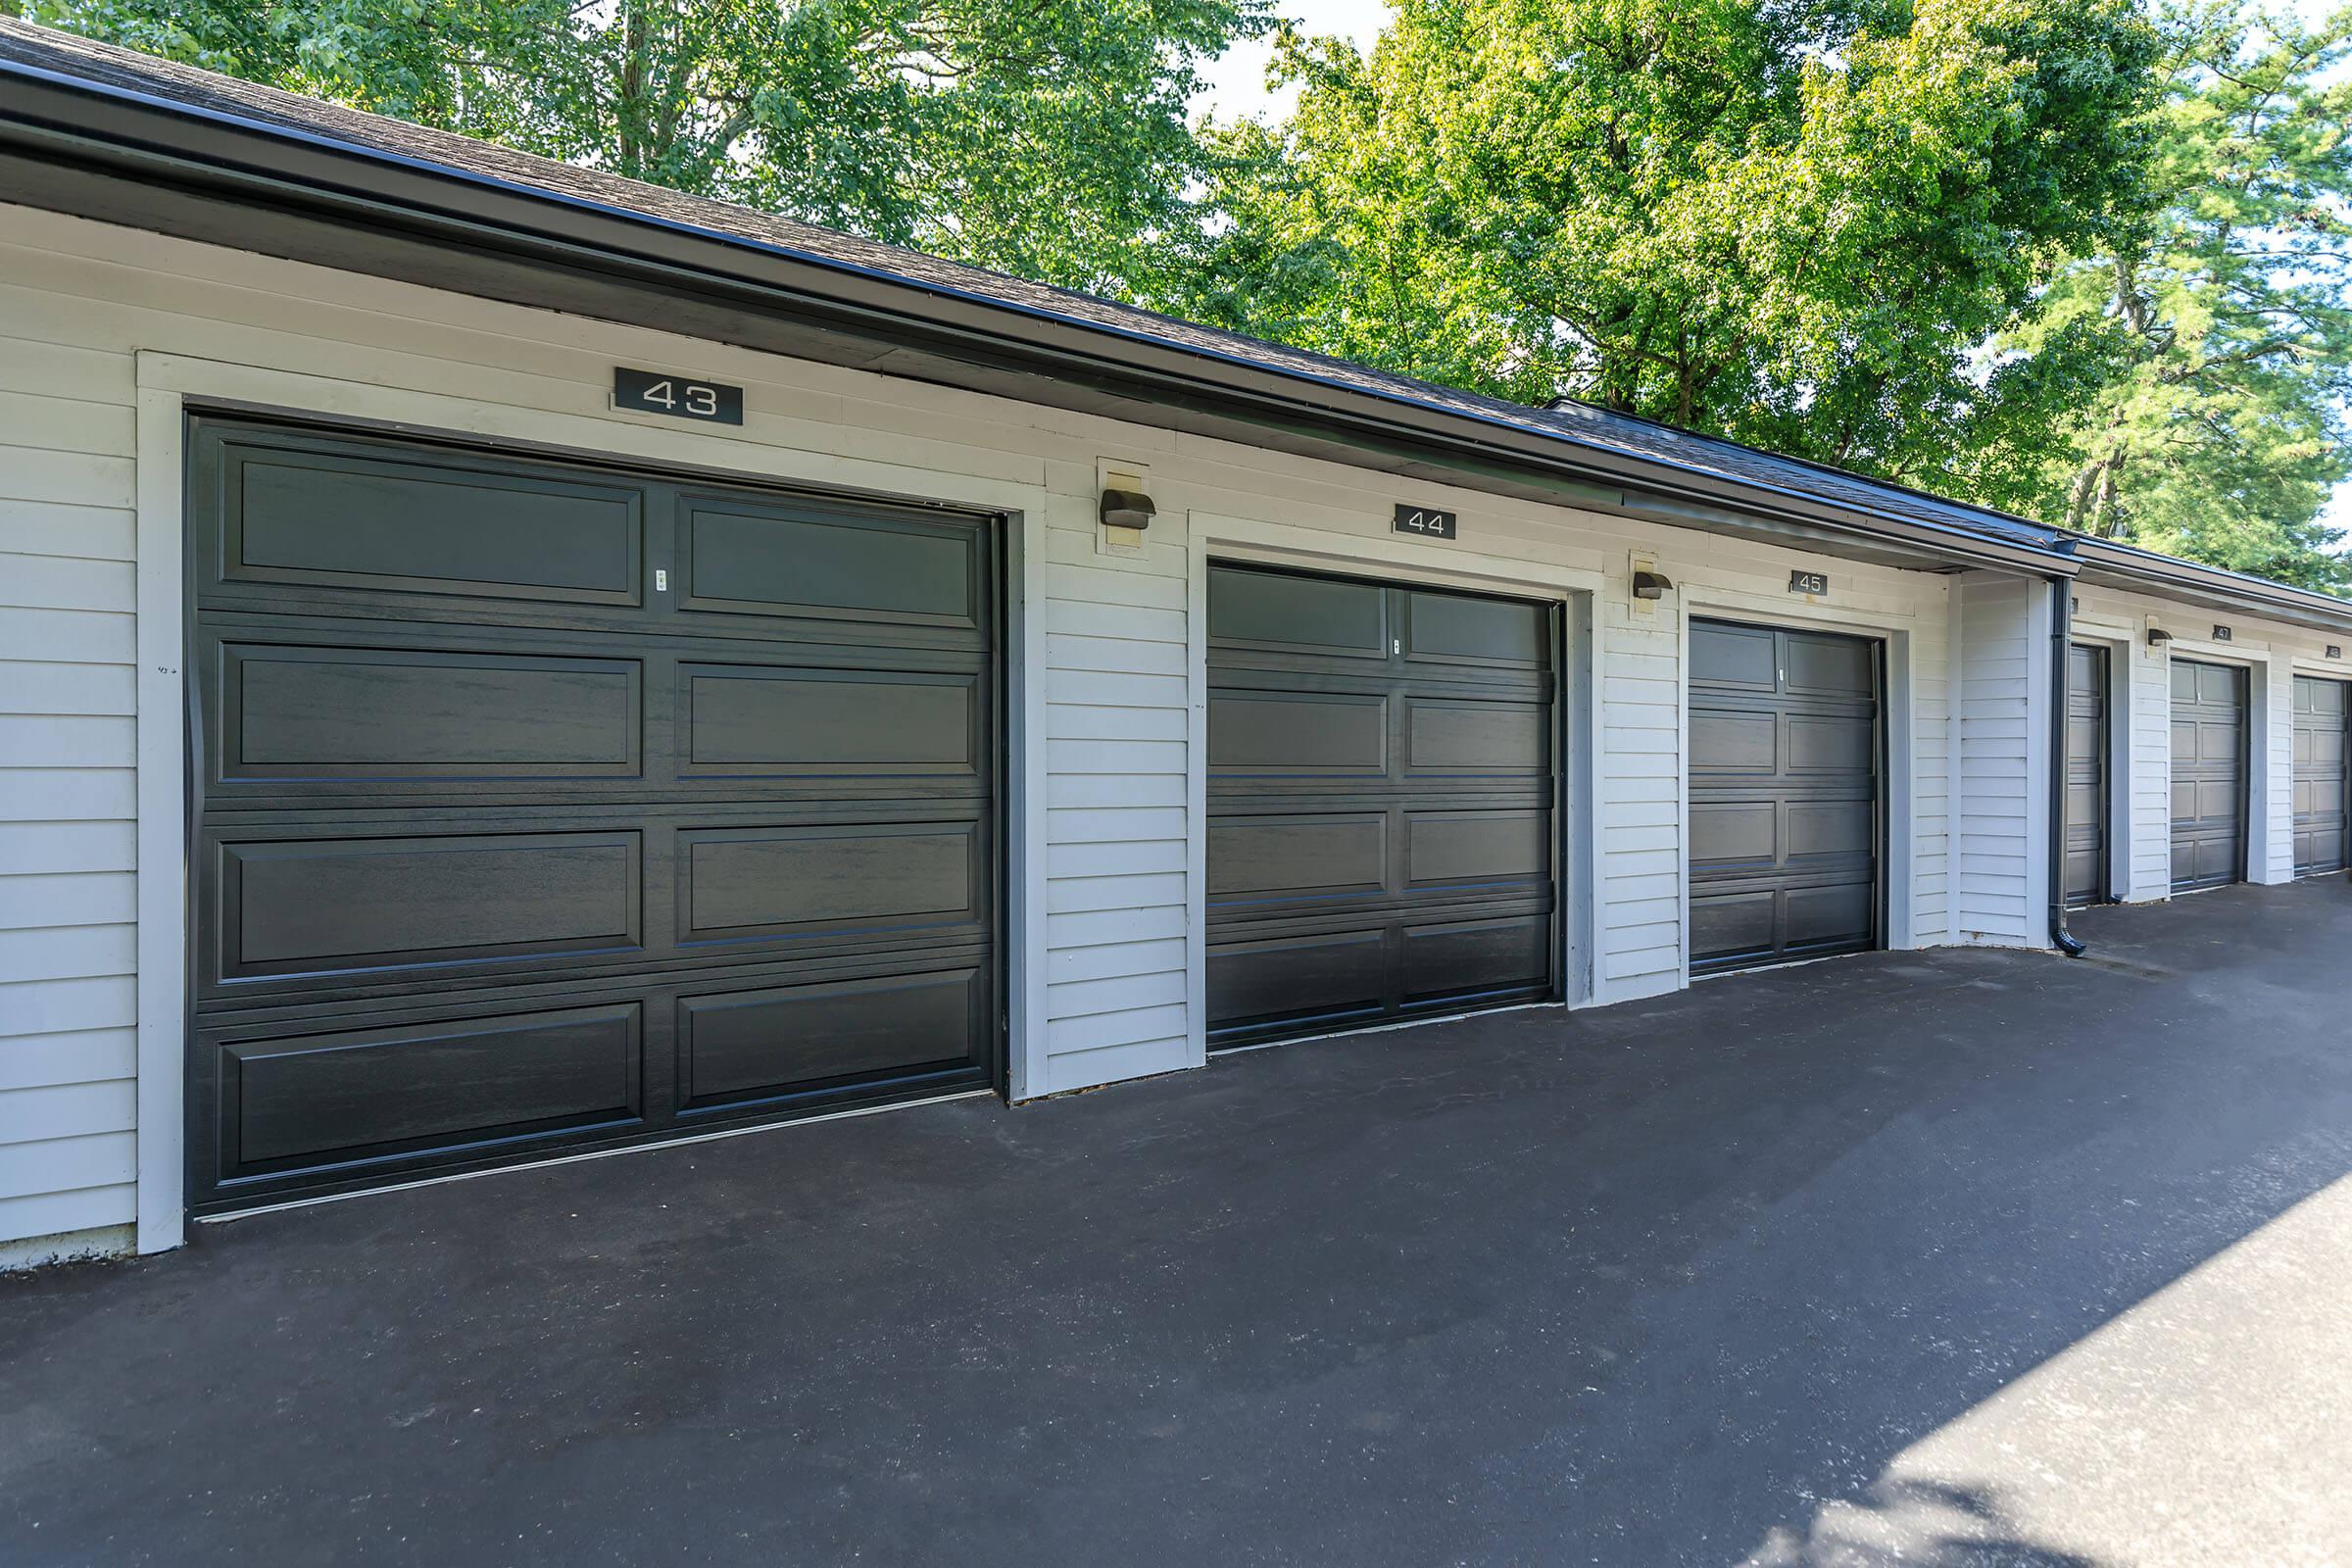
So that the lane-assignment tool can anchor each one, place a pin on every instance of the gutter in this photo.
(2130, 568)
(66, 121)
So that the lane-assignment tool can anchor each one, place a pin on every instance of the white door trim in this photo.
(168, 383)
(1415, 562)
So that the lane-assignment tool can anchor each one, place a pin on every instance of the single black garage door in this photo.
(2086, 775)
(2209, 774)
(1786, 816)
(2320, 777)
(543, 807)
(1383, 782)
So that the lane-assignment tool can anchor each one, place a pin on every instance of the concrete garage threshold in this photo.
(1962, 1257)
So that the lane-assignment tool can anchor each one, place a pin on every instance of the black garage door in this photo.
(2320, 779)
(2086, 775)
(2209, 774)
(543, 807)
(1383, 778)
(1784, 795)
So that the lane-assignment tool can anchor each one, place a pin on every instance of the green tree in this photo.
(1790, 222)
(1048, 138)
(2210, 347)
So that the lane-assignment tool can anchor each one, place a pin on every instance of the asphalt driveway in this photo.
(1952, 1258)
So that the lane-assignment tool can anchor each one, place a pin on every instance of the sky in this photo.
(1237, 86)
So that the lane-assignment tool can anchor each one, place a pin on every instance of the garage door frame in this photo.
(1306, 684)
(2104, 661)
(1882, 656)
(2253, 784)
(2300, 869)
(170, 385)
(1407, 564)
(1897, 919)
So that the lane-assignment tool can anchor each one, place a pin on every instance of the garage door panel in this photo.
(296, 711)
(339, 518)
(1785, 812)
(1737, 658)
(837, 880)
(1733, 836)
(741, 554)
(758, 721)
(1838, 667)
(1477, 960)
(1447, 848)
(767, 1042)
(1727, 743)
(1819, 830)
(1448, 629)
(491, 836)
(1486, 738)
(1733, 926)
(2214, 799)
(1283, 858)
(339, 1095)
(1301, 735)
(1833, 916)
(328, 906)
(1328, 977)
(1839, 745)
(1325, 615)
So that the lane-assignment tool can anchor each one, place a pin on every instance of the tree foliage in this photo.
(2189, 380)
(1049, 138)
(1786, 221)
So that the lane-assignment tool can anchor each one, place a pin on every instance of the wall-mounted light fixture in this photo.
(1651, 584)
(1127, 509)
(2158, 636)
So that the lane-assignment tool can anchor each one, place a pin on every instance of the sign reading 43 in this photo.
(651, 392)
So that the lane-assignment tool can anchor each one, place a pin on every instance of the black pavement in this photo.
(1673, 1281)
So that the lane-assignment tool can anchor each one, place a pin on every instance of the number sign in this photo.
(1809, 582)
(1427, 521)
(651, 392)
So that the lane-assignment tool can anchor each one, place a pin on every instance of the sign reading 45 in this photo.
(651, 392)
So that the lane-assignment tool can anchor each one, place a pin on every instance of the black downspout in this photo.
(2062, 639)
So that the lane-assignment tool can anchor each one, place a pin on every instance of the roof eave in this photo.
(2105, 562)
(301, 181)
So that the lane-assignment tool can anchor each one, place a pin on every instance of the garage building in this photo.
(501, 662)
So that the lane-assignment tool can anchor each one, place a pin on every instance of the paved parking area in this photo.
(1950, 1258)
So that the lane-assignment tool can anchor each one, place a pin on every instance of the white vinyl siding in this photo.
(2274, 654)
(68, 790)
(2002, 668)
(1105, 636)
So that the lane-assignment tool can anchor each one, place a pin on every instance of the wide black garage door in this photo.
(2320, 775)
(2209, 774)
(2086, 774)
(1784, 795)
(1383, 778)
(543, 807)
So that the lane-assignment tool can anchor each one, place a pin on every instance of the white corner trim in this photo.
(162, 857)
